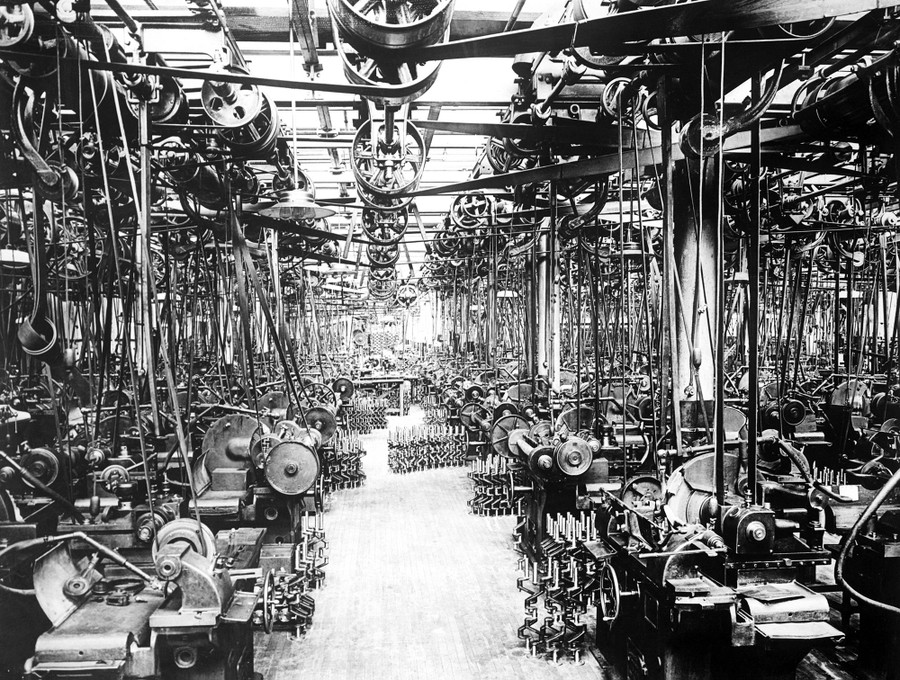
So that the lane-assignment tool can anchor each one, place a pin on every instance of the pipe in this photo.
(864, 518)
(78, 535)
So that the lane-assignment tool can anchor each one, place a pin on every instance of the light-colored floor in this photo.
(416, 587)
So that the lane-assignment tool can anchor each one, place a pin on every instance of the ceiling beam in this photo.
(249, 22)
(691, 18)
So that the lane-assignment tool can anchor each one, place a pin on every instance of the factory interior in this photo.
(449, 339)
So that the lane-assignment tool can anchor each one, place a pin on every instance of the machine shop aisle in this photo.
(415, 588)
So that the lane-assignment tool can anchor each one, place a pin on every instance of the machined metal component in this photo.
(226, 443)
(387, 159)
(292, 467)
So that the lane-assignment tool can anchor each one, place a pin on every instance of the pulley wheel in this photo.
(540, 460)
(471, 211)
(317, 394)
(231, 105)
(16, 24)
(113, 476)
(541, 430)
(383, 255)
(573, 457)
(385, 26)
(257, 138)
(42, 464)
(268, 601)
(291, 468)
(323, 420)
(276, 402)
(187, 531)
(343, 388)
(385, 227)
(369, 159)
(505, 408)
(474, 393)
(467, 415)
(407, 294)
(383, 289)
(276, 406)
(610, 593)
(445, 244)
(226, 443)
(500, 431)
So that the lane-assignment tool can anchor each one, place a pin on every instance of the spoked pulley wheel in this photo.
(407, 294)
(383, 33)
(268, 601)
(383, 255)
(610, 594)
(391, 26)
(501, 429)
(386, 165)
(385, 227)
(382, 283)
(471, 211)
(316, 394)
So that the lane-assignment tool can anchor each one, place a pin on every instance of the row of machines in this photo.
(116, 564)
(692, 573)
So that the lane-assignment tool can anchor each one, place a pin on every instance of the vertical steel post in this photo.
(144, 339)
(753, 303)
(669, 258)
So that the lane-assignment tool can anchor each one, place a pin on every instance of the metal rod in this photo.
(753, 305)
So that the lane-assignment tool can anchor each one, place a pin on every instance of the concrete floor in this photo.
(416, 587)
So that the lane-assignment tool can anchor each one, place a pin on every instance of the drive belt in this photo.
(615, 30)
(368, 91)
(244, 261)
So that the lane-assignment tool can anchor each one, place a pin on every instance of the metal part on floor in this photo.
(417, 587)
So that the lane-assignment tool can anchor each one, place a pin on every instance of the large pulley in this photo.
(387, 158)
(473, 416)
(323, 420)
(383, 255)
(318, 394)
(226, 443)
(343, 388)
(247, 117)
(390, 27)
(472, 211)
(384, 227)
(43, 466)
(407, 295)
(382, 283)
(198, 537)
(380, 36)
(16, 24)
(276, 406)
(573, 456)
(292, 467)
(502, 428)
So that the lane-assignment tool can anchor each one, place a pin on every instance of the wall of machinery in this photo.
(659, 320)
(175, 406)
(669, 312)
